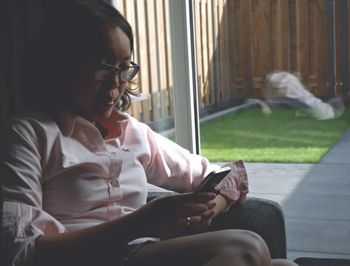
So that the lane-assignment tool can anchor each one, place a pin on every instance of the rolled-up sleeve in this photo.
(23, 218)
(235, 186)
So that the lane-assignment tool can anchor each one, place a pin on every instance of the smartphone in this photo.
(213, 179)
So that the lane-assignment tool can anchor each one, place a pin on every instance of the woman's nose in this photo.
(115, 80)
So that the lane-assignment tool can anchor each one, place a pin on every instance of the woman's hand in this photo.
(220, 206)
(167, 216)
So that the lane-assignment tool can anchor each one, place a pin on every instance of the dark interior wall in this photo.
(19, 19)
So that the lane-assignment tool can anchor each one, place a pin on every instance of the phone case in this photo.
(213, 179)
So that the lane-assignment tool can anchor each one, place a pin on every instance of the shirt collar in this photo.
(67, 120)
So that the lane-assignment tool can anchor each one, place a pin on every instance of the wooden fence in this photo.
(151, 23)
(238, 43)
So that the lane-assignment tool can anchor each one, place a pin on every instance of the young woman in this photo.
(75, 170)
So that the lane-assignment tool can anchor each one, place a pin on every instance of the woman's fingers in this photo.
(199, 197)
(191, 220)
(184, 205)
(169, 215)
(199, 222)
(200, 207)
(195, 210)
(197, 207)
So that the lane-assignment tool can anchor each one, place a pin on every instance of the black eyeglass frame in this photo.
(114, 70)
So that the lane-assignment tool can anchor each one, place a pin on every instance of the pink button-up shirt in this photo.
(61, 175)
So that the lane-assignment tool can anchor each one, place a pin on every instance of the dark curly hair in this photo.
(70, 38)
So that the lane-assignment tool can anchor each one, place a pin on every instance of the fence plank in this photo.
(120, 6)
(161, 51)
(143, 58)
(322, 88)
(280, 35)
(302, 39)
(211, 52)
(216, 52)
(152, 28)
(233, 15)
(224, 56)
(206, 85)
(129, 12)
(245, 47)
(312, 53)
(262, 59)
(338, 48)
(169, 64)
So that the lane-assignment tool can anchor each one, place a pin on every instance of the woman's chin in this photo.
(105, 112)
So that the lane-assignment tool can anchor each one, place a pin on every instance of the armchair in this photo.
(262, 216)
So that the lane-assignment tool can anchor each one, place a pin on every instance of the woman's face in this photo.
(95, 99)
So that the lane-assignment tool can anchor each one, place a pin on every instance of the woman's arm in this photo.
(221, 204)
(163, 217)
(205, 220)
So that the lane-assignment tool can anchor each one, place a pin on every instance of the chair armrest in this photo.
(262, 216)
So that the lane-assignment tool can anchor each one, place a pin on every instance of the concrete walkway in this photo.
(315, 200)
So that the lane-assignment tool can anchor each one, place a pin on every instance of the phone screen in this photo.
(213, 179)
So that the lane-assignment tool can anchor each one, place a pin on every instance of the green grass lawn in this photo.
(279, 137)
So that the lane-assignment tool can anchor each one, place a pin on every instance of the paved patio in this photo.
(315, 200)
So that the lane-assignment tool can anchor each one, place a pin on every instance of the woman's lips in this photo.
(106, 103)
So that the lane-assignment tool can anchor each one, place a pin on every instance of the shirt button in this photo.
(115, 182)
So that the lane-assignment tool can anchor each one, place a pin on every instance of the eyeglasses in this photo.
(106, 72)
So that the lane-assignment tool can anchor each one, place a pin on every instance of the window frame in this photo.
(186, 109)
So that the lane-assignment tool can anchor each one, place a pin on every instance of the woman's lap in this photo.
(193, 249)
(179, 250)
